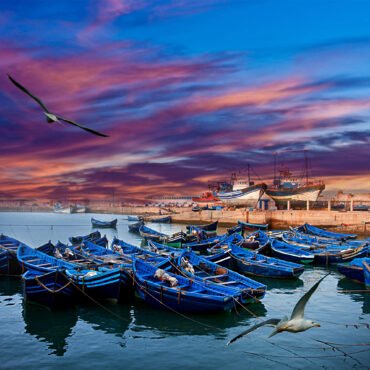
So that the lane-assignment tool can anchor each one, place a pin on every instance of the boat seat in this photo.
(44, 265)
(32, 260)
(228, 282)
(215, 277)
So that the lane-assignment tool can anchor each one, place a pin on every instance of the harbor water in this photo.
(133, 335)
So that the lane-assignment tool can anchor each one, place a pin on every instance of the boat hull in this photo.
(247, 197)
(304, 193)
(52, 289)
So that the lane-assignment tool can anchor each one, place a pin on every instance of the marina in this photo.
(125, 330)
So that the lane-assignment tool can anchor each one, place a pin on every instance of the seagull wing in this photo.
(298, 311)
(245, 332)
(43, 106)
(80, 126)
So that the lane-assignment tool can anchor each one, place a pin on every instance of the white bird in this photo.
(295, 324)
(51, 117)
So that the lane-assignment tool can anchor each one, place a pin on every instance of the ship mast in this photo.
(306, 165)
(249, 175)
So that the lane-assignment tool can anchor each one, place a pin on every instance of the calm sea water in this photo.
(89, 336)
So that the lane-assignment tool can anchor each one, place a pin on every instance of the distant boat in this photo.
(94, 237)
(163, 220)
(134, 228)
(286, 187)
(313, 230)
(206, 227)
(134, 218)
(251, 226)
(240, 191)
(207, 197)
(104, 224)
(58, 208)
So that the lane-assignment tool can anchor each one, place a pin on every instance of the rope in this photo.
(98, 303)
(51, 290)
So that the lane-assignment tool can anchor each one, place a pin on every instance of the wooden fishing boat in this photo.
(252, 226)
(104, 224)
(207, 227)
(202, 245)
(313, 230)
(255, 264)
(9, 264)
(353, 270)
(162, 220)
(290, 252)
(148, 233)
(332, 256)
(101, 283)
(134, 228)
(250, 291)
(315, 242)
(135, 218)
(94, 237)
(184, 296)
(366, 263)
(53, 289)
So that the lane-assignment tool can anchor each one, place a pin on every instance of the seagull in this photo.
(295, 324)
(51, 117)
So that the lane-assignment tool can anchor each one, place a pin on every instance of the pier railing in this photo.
(330, 205)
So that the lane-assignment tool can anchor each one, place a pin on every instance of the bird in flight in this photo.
(51, 117)
(295, 324)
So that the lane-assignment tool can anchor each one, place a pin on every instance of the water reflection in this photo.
(10, 286)
(52, 327)
(115, 321)
(165, 323)
(361, 297)
(281, 284)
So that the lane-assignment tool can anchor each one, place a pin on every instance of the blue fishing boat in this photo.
(313, 230)
(104, 224)
(9, 264)
(290, 252)
(53, 289)
(168, 291)
(314, 242)
(100, 283)
(202, 245)
(162, 220)
(94, 237)
(135, 218)
(332, 256)
(203, 270)
(207, 227)
(148, 233)
(134, 228)
(237, 229)
(366, 263)
(252, 226)
(255, 264)
(353, 270)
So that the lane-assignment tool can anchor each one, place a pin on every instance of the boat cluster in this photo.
(193, 271)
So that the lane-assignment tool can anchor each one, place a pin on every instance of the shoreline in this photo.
(349, 221)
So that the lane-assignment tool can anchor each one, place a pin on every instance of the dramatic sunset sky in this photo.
(188, 91)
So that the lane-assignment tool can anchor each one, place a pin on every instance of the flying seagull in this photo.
(51, 117)
(295, 324)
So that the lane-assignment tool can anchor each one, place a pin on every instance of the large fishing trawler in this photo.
(240, 191)
(286, 187)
